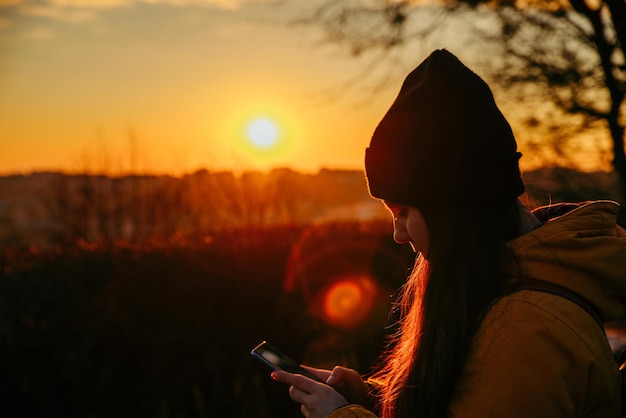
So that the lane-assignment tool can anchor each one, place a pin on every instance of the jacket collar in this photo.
(579, 247)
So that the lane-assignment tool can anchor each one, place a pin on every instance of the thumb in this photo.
(337, 376)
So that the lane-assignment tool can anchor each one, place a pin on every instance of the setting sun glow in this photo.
(263, 133)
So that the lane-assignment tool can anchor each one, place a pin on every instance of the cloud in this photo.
(224, 4)
(11, 2)
(90, 4)
(41, 34)
(51, 12)
(79, 11)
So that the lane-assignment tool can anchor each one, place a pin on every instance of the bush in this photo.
(165, 331)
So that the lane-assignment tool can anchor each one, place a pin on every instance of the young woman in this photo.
(445, 162)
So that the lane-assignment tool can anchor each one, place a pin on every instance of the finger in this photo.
(341, 376)
(304, 410)
(298, 395)
(302, 382)
(350, 384)
(321, 374)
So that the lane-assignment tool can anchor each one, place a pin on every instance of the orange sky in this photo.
(170, 86)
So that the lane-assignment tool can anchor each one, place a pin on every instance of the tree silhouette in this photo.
(571, 53)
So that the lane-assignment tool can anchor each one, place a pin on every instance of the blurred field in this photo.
(167, 332)
(123, 298)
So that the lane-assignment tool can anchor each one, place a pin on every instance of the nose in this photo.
(400, 233)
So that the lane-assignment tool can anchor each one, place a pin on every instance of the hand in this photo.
(317, 399)
(347, 382)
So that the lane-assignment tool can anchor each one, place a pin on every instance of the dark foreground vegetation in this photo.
(142, 296)
(166, 331)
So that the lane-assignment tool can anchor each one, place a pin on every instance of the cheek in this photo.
(419, 236)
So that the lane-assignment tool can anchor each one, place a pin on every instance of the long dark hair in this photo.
(442, 304)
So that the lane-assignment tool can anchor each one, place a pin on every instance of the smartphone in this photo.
(277, 360)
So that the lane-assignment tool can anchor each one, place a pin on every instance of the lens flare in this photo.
(348, 301)
(342, 300)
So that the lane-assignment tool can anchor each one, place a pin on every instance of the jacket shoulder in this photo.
(533, 339)
(351, 411)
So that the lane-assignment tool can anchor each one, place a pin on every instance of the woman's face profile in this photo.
(409, 226)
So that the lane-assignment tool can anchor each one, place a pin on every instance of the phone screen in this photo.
(277, 360)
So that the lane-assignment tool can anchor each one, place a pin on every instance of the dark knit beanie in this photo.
(443, 142)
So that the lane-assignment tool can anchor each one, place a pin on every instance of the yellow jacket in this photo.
(539, 355)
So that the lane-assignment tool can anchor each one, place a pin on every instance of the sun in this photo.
(263, 133)
(262, 137)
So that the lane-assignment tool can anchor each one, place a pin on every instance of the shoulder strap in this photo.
(527, 283)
